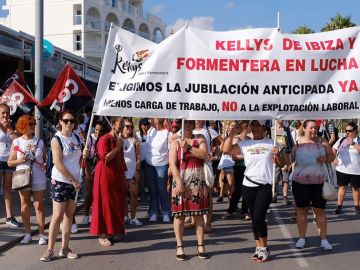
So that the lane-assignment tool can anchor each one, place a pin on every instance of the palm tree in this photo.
(339, 22)
(303, 29)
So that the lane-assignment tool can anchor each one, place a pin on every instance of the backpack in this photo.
(49, 157)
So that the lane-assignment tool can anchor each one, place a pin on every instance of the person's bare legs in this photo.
(57, 216)
(67, 222)
(39, 209)
(179, 232)
(25, 209)
(7, 182)
(301, 220)
(321, 222)
(200, 230)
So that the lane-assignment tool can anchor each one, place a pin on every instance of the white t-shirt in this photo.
(5, 144)
(258, 157)
(71, 158)
(130, 157)
(90, 144)
(32, 148)
(157, 147)
(205, 133)
(143, 145)
(348, 156)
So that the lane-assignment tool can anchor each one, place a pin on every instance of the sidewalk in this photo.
(9, 235)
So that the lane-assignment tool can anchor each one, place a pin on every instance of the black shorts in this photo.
(343, 179)
(5, 168)
(62, 192)
(308, 195)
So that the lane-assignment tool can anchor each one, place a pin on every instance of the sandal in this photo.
(202, 255)
(180, 257)
(104, 242)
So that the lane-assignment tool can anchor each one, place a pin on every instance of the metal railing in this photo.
(77, 19)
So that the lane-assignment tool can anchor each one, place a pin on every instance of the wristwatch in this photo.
(189, 147)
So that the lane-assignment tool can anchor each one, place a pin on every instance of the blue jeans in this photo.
(157, 180)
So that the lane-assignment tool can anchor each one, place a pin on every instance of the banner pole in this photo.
(274, 164)
(82, 162)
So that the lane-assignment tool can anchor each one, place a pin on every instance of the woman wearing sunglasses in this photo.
(65, 175)
(30, 149)
(347, 163)
(132, 160)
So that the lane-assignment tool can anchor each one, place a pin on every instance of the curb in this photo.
(17, 240)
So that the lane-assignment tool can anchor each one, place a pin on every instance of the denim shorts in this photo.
(5, 168)
(61, 192)
(228, 169)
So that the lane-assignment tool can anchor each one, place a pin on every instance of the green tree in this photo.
(338, 22)
(303, 29)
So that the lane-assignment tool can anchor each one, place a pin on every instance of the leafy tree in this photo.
(338, 22)
(303, 29)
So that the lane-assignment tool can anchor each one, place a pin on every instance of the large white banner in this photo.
(243, 74)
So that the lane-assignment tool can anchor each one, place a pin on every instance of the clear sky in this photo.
(222, 15)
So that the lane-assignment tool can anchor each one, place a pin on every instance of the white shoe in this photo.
(135, 222)
(42, 239)
(300, 243)
(27, 239)
(153, 218)
(326, 245)
(85, 220)
(166, 219)
(74, 228)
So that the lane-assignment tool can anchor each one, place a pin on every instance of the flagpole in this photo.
(274, 164)
(81, 166)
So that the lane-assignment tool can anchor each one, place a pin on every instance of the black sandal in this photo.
(180, 257)
(202, 255)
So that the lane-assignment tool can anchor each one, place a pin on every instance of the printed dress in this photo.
(194, 201)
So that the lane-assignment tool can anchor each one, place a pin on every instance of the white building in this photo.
(82, 26)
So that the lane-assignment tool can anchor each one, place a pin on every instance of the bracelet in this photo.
(189, 147)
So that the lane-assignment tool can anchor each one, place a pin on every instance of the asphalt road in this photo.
(152, 246)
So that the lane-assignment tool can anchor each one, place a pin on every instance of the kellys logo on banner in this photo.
(243, 74)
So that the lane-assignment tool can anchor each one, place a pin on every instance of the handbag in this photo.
(21, 179)
(209, 175)
(329, 192)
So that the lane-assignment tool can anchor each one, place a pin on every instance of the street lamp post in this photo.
(39, 70)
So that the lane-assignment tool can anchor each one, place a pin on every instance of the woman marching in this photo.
(27, 151)
(310, 156)
(189, 192)
(109, 186)
(65, 175)
(259, 154)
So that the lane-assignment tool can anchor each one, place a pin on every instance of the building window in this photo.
(77, 16)
(77, 43)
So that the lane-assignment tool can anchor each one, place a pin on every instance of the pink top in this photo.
(307, 170)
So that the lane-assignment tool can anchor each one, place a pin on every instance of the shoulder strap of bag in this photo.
(59, 141)
(253, 182)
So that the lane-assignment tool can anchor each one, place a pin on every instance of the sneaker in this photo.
(68, 253)
(255, 256)
(274, 200)
(166, 219)
(27, 239)
(47, 256)
(325, 245)
(263, 255)
(74, 228)
(135, 222)
(42, 239)
(286, 201)
(153, 218)
(126, 220)
(85, 220)
(246, 217)
(300, 243)
(13, 222)
(357, 210)
(220, 200)
(338, 209)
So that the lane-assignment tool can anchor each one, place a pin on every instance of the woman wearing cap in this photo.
(310, 156)
(347, 163)
(259, 154)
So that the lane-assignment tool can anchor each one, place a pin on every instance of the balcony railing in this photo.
(93, 23)
(77, 19)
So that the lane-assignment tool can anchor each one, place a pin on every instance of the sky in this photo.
(225, 15)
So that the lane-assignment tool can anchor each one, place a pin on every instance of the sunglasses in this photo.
(129, 127)
(67, 121)
(349, 130)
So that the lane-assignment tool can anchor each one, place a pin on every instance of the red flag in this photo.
(16, 97)
(63, 94)
(17, 76)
